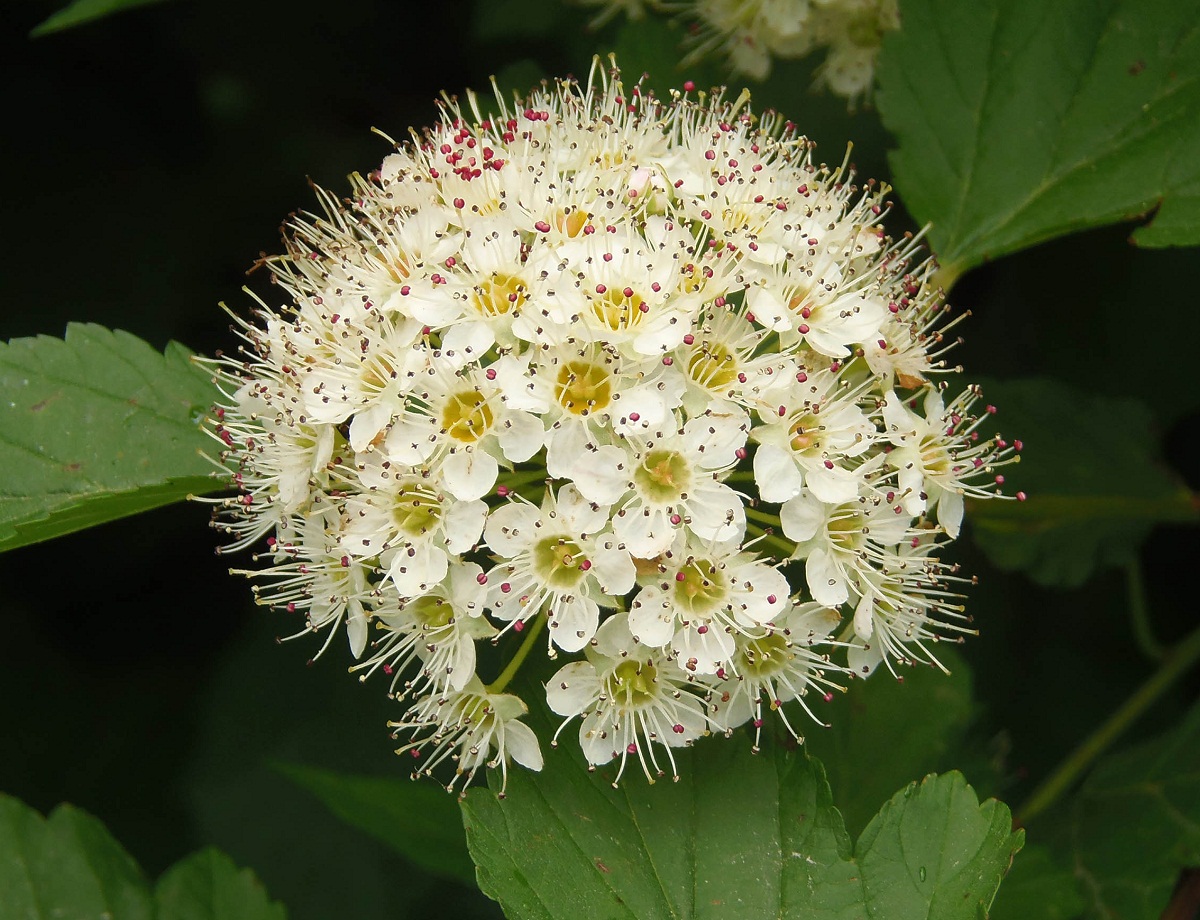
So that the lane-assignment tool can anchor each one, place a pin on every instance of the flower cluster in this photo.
(750, 34)
(631, 381)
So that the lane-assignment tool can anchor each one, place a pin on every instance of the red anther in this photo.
(643, 306)
(291, 608)
(656, 287)
(782, 411)
(628, 292)
(828, 697)
(890, 496)
(710, 154)
(702, 630)
(721, 673)
(345, 560)
(679, 576)
(446, 148)
(632, 748)
(733, 163)
(781, 206)
(1018, 445)
(488, 153)
(1021, 496)
(607, 256)
(689, 339)
(634, 416)
(437, 279)
(502, 491)
(426, 330)
(676, 520)
(882, 343)
(801, 377)
(519, 625)
(740, 453)
(601, 288)
(588, 230)
(749, 317)
(333, 319)
(481, 578)
(771, 598)
(741, 378)
(490, 373)
(388, 669)
(999, 480)
(719, 302)
(706, 214)
(758, 723)
(668, 360)
(828, 464)
(404, 291)
(893, 308)
(585, 565)
(459, 203)
(991, 410)
(677, 728)
(505, 587)
(542, 227)
(977, 462)
(688, 86)
(416, 755)
(803, 329)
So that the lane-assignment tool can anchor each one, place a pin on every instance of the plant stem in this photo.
(1176, 663)
(756, 515)
(511, 669)
(1139, 615)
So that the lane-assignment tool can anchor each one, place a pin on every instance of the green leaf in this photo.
(740, 835)
(1136, 823)
(208, 886)
(1021, 120)
(1094, 483)
(94, 427)
(67, 866)
(84, 11)
(1037, 888)
(918, 721)
(418, 820)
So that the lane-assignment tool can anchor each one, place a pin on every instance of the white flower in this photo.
(704, 599)
(467, 726)
(774, 666)
(619, 379)
(630, 697)
(560, 558)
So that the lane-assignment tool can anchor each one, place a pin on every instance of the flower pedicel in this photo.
(631, 382)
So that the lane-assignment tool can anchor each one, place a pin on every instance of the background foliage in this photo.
(156, 152)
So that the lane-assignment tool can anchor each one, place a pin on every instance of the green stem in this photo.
(511, 669)
(1139, 615)
(771, 539)
(1177, 663)
(755, 515)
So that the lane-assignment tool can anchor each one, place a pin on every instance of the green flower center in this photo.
(631, 684)
(418, 509)
(583, 387)
(467, 416)
(765, 657)
(498, 295)
(846, 530)
(432, 612)
(934, 456)
(712, 365)
(806, 434)
(663, 476)
(559, 562)
(617, 310)
(701, 588)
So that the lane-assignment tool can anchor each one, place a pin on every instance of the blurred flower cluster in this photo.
(750, 34)
(632, 382)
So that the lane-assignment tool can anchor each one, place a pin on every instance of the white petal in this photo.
(716, 512)
(522, 745)
(825, 579)
(465, 342)
(414, 574)
(652, 618)
(615, 570)
(462, 524)
(573, 622)
(864, 617)
(572, 688)
(470, 474)
(510, 528)
(950, 512)
(602, 475)
(801, 518)
(521, 436)
(832, 486)
(356, 627)
(703, 653)
(776, 474)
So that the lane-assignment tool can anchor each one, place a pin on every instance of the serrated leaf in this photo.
(208, 886)
(1135, 824)
(66, 866)
(739, 835)
(916, 722)
(418, 820)
(96, 426)
(1037, 888)
(81, 12)
(1094, 483)
(1020, 120)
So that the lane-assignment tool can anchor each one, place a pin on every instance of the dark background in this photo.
(149, 158)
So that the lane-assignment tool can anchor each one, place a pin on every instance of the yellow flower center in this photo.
(583, 387)
(467, 416)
